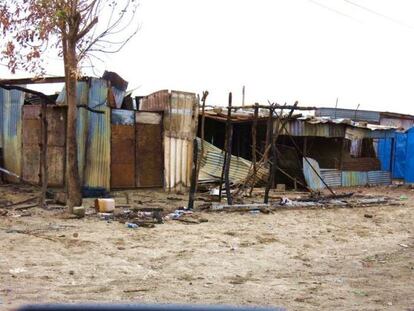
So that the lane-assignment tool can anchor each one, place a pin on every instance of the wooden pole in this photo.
(202, 134)
(305, 146)
(254, 145)
(43, 176)
(229, 138)
(270, 140)
(193, 176)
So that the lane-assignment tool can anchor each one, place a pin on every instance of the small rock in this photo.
(368, 216)
(79, 211)
(71, 272)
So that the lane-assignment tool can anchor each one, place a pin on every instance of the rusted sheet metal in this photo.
(82, 89)
(123, 149)
(158, 101)
(354, 178)
(30, 147)
(98, 150)
(211, 166)
(11, 103)
(56, 118)
(149, 150)
(180, 121)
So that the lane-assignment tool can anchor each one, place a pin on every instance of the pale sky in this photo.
(312, 51)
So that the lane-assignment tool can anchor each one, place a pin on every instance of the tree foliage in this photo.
(33, 28)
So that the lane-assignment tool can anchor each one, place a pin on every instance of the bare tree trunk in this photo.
(72, 173)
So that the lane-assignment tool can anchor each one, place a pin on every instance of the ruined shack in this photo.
(118, 146)
(341, 151)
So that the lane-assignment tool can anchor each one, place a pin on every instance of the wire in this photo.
(335, 11)
(401, 23)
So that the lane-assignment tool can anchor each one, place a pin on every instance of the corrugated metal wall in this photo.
(11, 103)
(303, 128)
(82, 122)
(338, 178)
(98, 150)
(352, 178)
(379, 178)
(333, 178)
(180, 121)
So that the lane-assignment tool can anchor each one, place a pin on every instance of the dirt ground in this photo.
(300, 259)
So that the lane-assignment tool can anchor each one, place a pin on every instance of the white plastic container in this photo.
(105, 205)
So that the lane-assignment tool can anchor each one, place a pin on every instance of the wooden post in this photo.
(203, 120)
(341, 160)
(229, 138)
(193, 175)
(222, 175)
(254, 145)
(271, 166)
(305, 146)
(43, 176)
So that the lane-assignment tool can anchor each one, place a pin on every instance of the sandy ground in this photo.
(323, 259)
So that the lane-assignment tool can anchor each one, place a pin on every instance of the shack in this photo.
(343, 152)
(118, 146)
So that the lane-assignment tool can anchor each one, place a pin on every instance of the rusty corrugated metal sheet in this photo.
(149, 149)
(211, 166)
(11, 103)
(56, 118)
(98, 150)
(123, 149)
(158, 101)
(82, 122)
(180, 121)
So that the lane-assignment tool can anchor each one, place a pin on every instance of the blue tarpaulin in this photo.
(409, 161)
(384, 153)
(399, 158)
